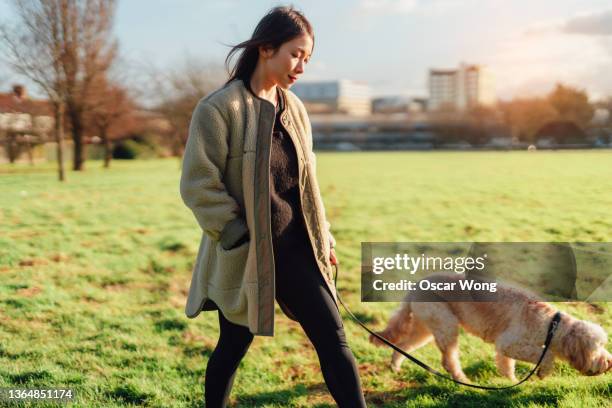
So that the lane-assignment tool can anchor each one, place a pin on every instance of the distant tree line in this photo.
(565, 115)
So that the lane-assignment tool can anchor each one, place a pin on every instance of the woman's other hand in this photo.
(332, 257)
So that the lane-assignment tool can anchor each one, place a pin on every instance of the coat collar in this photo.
(282, 93)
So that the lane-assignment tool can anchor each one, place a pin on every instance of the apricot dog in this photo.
(516, 323)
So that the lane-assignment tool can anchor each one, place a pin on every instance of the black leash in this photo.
(554, 323)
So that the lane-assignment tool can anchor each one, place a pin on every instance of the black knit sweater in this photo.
(293, 251)
(287, 219)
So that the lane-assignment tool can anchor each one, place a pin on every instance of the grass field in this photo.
(94, 275)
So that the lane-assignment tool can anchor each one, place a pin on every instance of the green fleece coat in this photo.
(225, 182)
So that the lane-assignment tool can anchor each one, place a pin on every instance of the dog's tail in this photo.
(399, 324)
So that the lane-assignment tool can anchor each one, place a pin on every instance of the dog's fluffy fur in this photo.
(516, 323)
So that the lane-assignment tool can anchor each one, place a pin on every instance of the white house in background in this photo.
(460, 89)
(338, 96)
(24, 124)
(22, 115)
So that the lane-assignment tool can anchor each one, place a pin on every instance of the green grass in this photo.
(94, 274)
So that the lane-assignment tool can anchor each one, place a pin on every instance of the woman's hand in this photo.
(332, 257)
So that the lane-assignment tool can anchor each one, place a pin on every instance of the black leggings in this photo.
(308, 298)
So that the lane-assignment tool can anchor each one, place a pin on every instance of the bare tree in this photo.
(63, 46)
(111, 113)
(177, 92)
(30, 53)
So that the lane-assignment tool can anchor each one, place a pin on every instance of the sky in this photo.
(528, 45)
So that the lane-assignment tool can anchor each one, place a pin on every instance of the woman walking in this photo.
(249, 178)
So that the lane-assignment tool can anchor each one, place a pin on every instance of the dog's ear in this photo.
(574, 348)
(583, 349)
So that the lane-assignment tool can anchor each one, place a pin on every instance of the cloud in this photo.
(386, 7)
(593, 24)
(543, 27)
(534, 59)
(590, 24)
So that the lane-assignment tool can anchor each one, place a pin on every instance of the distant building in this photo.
(460, 89)
(20, 114)
(339, 96)
(24, 124)
(398, 104)
(420, 104)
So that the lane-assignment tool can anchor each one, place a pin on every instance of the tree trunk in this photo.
(59, 139)
(177, 145)
(108, 151)
(77, 137)
(77, 163)
(29, 147)
(11, 147)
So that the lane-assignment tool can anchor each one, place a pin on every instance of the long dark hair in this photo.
(280, 25)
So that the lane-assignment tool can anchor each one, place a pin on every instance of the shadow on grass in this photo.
(279, 397)
(481, 369)
(129, 394)
(29, 377)
(170, 324)
(441, 396)
(449, 394)
(460, 397)
(366, 318)
(198, 350)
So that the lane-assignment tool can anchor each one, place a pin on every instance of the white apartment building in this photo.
(339, 96)
(460, 89)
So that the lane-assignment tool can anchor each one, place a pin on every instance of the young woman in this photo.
(249, 177)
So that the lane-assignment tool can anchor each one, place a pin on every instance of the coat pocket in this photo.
(229, 266)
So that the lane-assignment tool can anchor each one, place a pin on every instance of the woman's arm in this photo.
(202, 188)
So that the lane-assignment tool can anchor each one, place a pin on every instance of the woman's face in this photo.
(286, 66)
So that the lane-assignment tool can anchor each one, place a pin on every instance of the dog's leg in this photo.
(505, 365)
(509, 347)
(547, 365)
(418, 337)
(450, 359)
(446, 333)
